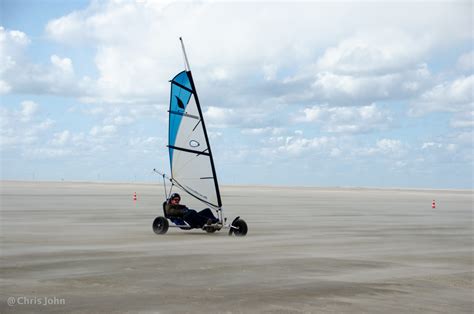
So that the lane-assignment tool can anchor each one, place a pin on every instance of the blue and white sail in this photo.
(191, 162)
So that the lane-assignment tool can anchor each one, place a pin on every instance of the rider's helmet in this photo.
(175, 195)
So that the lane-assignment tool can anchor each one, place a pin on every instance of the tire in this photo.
(160, 225)
(241, 228)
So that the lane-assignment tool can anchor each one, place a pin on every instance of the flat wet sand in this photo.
(308, 250)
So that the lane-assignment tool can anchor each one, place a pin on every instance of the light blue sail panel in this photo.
(178, 101)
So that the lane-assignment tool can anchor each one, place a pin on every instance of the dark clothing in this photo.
(197, 220)
(193, 218)
(175, 210)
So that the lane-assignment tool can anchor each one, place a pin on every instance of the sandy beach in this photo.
(88, 247)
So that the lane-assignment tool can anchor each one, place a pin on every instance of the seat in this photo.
(174, 219)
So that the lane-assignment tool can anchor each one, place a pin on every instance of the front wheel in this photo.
(240, 228)
(160, 225)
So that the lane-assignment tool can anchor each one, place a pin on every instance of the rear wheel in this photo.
(160, 225)
(240, 229)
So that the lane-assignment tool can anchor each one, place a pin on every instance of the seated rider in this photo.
(193, 218)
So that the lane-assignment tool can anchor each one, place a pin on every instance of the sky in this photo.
(314, 93)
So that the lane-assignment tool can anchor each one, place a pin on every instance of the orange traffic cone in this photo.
(433, 205)
(134, 196)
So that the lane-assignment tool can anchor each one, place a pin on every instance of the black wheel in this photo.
(160, 225)
(240, 229)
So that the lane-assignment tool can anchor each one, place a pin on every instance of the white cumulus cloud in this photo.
(61, 138)
(378, 52)
(392, 148)
(347, 119)
(453, 96)
(63, 64)
(465, 62)
(23, 125)
(28, 109)
(103, 131)
(463, 120)
(373, 55)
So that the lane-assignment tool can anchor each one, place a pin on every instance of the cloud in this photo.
(4, 87)
(430, 145)
(103, 131)
(119, 120)
(45, 124)
(28, 109)
(454, 96)
(388, 147)
(22, 126)
(63, 65)
(463, 120)
(465, 139)
(12, 43)
(465, 62)
(135, 54)
(298, 145)
(295, 92)
(220, 117)
(353, 89)
(138, 51)
(347, 119)
(68, 28)
(445, 150)
(300, 149)
(241, 117)
(43, 152)
(261, 131)
(20, 75)
(379, 52)
(102, 25)
(145, 145)
(293, 146)
(61, 138)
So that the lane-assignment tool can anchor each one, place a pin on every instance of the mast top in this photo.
(186, 63)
